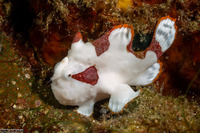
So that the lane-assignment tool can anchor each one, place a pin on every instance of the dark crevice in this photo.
(141, 42)
(21, 19)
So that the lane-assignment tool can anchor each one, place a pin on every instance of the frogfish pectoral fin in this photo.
(149, 75)
(86, 109)
(119, 98)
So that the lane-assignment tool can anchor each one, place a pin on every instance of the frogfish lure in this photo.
(108, 66)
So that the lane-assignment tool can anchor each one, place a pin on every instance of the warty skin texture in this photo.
(116, 69)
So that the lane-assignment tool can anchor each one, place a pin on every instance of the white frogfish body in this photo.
(108, 67)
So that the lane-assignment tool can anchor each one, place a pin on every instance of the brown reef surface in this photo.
(36, 34)
(44, 31)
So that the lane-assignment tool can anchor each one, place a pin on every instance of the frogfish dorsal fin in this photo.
(77, 37)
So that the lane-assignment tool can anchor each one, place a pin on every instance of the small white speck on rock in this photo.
(37, 103)
(166, 57)
(20, 117)
(13, 82)
(19, 95)
(27, 76)
(14, 106)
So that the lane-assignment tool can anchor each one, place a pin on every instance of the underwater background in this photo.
(36, 34)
